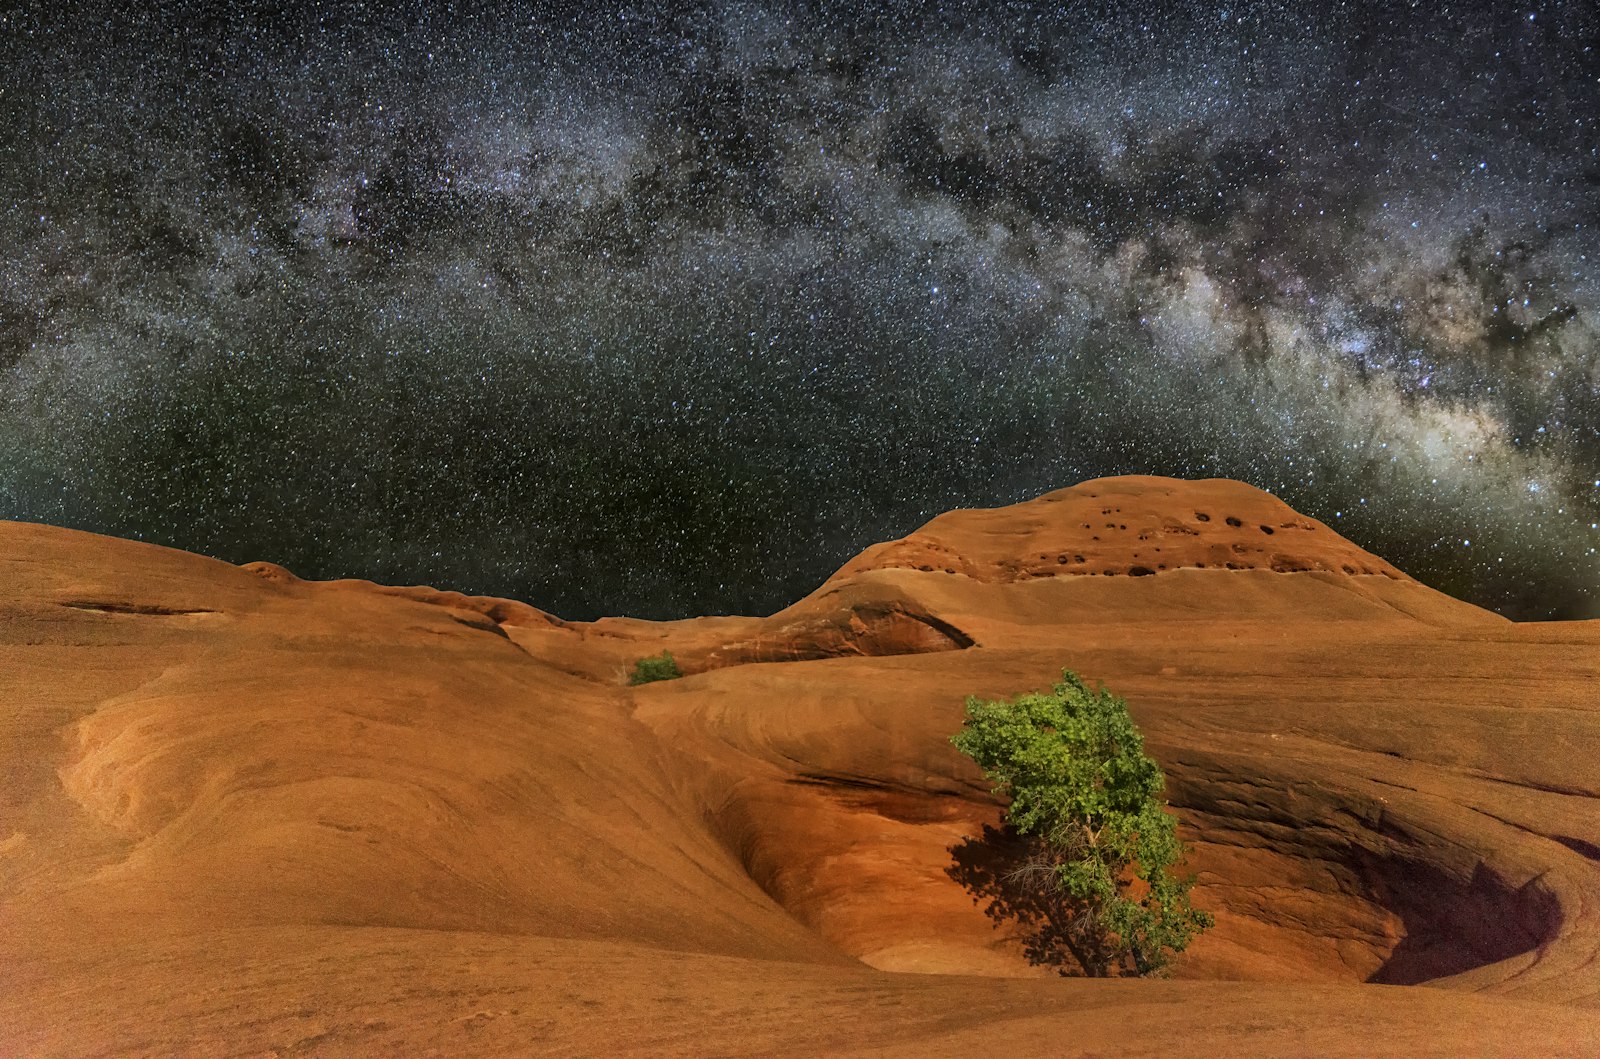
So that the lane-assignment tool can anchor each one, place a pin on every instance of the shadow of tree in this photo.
(1013, 876)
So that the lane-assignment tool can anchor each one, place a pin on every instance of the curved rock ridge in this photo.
(874, 625)
(496, 610)
(242, 813)
(1135, 525)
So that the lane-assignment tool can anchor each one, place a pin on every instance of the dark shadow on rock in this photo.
(1454, 925)
(1013, 878)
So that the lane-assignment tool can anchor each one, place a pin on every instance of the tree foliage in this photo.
(657, 667)
(1080, 785)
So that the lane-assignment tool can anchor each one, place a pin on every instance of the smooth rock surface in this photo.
(242, 813)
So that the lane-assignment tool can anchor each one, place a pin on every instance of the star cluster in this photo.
(631, 309)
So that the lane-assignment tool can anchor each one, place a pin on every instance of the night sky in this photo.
(665, 312)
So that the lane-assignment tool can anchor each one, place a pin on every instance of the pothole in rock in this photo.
(1320, 871)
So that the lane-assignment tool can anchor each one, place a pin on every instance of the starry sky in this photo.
(670, 309)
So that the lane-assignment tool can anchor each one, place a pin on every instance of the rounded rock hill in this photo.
(1135, 526)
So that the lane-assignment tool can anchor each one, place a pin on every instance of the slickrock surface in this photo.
(246, 814)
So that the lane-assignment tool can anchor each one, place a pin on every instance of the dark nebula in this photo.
(625, 309)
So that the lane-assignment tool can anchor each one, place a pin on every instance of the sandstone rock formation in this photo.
(242, 813)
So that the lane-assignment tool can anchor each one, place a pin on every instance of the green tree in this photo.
(656, 667)
(1102, 844)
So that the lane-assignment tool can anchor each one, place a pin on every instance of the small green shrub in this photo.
(656, 667)
(1084, 793)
